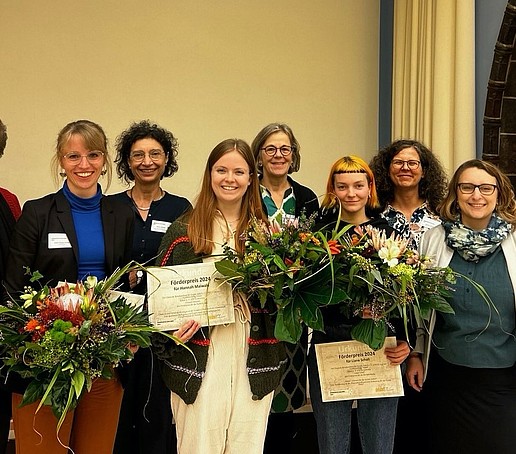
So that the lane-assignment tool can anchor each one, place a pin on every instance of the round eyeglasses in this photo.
(469, 188)
(271, 150)
(139, 155)
(412, 164)
(93, 157)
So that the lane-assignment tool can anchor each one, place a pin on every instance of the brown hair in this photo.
(200, 219)
(270, 129)
(505, 204)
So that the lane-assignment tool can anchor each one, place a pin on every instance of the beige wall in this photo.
(207, 70)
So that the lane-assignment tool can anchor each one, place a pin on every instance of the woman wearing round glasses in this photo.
(471, 375)
(276, 151)
(67, 236)
(411, 182)
(146, 153)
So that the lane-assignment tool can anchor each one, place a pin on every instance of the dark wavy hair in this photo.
(3, 138)
(143, 130)
(432, 186)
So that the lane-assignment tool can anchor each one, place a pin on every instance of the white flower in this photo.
(390, 252)
(70, 301)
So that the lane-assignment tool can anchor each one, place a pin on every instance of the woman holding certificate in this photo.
(468, 358)
(351, 192)
(222, 394)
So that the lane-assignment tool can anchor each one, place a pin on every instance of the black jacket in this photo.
(52, 214)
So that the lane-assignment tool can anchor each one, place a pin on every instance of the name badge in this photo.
(428, 223)
(159, 226)
(58, 241)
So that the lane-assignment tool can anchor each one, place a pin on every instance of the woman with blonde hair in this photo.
(221, 397)
(351, 199)
(67, 236)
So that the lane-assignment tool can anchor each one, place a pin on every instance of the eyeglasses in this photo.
(155, 155)
(411, 163)
(469, 188)
(271, 150)
(93, 157)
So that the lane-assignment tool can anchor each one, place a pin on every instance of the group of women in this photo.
(238, 392)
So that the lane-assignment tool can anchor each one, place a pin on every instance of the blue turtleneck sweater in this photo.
(90, 234)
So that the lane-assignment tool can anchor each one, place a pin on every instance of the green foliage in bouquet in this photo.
(385, 279)
(63, 338)
(290, 269)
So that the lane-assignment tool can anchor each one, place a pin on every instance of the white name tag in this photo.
(159, 226)
(428, 223)
(58, 241)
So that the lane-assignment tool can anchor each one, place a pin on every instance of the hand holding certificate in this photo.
(352, 370)
(188, 292)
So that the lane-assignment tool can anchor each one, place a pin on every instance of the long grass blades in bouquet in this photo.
(63, 338)
(290, 269)
(385, 279)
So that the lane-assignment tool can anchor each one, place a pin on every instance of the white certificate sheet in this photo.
(188, 292)
(352, 370)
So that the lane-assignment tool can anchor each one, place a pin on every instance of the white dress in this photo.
(224, 418)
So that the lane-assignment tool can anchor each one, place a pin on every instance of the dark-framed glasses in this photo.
(412, 164)
(271, 150)
(139, 155)
(469, 188)
(93, 157)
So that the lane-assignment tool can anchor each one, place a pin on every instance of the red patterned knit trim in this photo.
(257, 310)
(270, 341)
(201, 342)
(181, 239)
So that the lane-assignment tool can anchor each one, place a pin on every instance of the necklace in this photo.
(227, 230)
(153, 200)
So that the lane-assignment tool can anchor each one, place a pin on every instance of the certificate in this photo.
(352, 370)
(188, 292)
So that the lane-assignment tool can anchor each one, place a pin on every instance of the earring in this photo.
(62, 174)
(103, 172)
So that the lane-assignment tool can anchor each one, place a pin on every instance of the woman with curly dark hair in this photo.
(411, 183)
(146, 153)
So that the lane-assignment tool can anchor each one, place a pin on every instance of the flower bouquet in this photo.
(289, 267)
(65, 337)
(385, 279)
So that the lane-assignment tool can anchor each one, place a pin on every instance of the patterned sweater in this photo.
(183, 372)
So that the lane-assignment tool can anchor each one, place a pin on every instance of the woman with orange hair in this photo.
(351, 198)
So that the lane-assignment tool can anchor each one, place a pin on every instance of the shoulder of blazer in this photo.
(45, 203)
